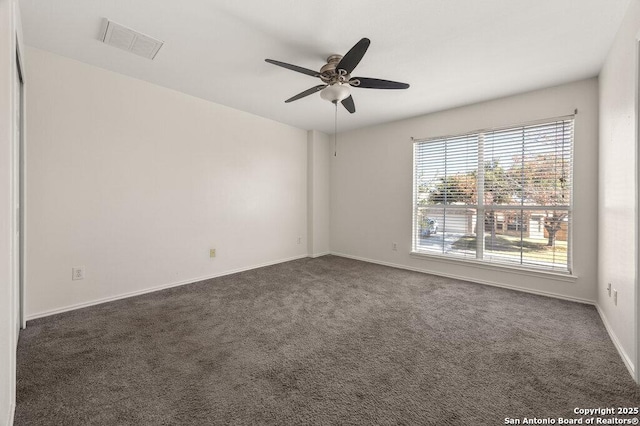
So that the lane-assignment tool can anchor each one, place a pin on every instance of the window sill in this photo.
(558, 276)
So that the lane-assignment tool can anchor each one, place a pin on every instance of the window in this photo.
(511, 186)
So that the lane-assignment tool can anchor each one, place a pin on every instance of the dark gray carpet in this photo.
(319, 341)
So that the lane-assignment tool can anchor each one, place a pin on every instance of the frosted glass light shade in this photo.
(335, 93)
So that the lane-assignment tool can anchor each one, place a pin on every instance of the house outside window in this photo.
(512, 186)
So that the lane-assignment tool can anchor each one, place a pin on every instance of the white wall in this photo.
(618, 215)
(10, 35)
(371, 185)
(318, 192)
(136, 183)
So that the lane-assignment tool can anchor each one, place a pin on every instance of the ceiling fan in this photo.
(336, 77)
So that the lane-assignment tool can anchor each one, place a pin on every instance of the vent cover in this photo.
(127, 39)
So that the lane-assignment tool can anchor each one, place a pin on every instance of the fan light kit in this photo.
(335, 93)
(336, 77)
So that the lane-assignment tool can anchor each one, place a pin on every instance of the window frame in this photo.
(478, 260)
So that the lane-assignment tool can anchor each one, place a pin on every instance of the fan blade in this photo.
(294, 68)
(349, 105)
(306, 93)
(353, 56)
(376, 83)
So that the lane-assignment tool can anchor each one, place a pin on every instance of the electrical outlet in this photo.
(212, 252)
(394, 246)
(77, 273)
(609, 289)
(615, 297)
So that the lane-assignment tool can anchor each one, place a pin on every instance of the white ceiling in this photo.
(452, 52)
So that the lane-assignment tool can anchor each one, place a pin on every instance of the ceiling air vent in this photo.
(127, 39)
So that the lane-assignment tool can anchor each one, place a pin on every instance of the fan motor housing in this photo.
(328, 72)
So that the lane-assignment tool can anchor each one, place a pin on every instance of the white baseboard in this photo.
(313, 256)
(470, 279)
(11, 415)
(623, 354)
(153, 289)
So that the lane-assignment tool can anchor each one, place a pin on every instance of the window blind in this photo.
(501, 195)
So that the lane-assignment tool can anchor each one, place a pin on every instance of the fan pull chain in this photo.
(335, 132)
